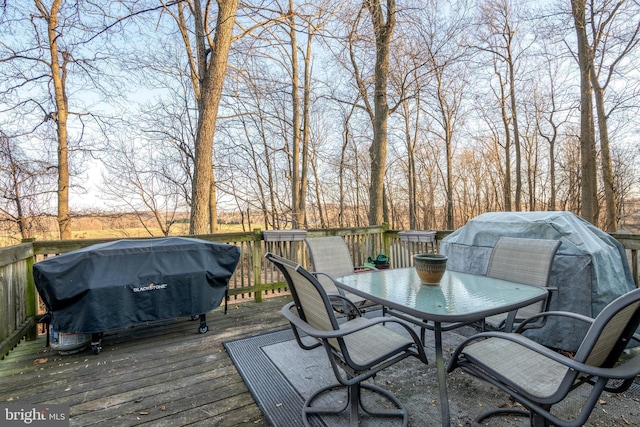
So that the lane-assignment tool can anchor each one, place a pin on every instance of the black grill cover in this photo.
(114, 285)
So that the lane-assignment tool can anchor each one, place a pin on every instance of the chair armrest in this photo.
(297, 322)
(343, 331)
(630, 368)
(522, 325)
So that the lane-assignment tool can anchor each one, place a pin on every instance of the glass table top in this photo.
(458, 297)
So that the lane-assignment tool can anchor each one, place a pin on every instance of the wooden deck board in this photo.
(162, 373)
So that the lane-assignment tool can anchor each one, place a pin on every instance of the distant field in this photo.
(112, 228)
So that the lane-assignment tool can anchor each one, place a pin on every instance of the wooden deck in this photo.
(164, 373)
(167, 374)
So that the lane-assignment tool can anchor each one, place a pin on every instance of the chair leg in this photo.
(535, 419)
(308, 410)
(539, 421)
(354, 403)
(400, 410)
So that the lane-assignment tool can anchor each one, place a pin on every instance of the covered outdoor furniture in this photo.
(540, 378)
(118, 284)
(357, 348)
(330, 258)
(525, 261)
(590, 268)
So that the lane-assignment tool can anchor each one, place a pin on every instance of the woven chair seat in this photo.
(520, 364)
(374, 343)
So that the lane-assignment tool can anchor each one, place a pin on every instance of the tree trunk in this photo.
(587, 141)
(341, 170)
(378, 150)
(297, 216)
(610, 220)
(59, 74)
(447, 125)
(516, 131)
(211, 82)
(213, 204)
(411, 165)
(306, 135)
(507, 151)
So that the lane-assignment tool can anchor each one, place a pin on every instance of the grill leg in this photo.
(203, 324)
(96, 342)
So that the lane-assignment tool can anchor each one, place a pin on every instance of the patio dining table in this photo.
(458, 299)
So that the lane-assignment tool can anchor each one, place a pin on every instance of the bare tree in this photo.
(552, 113)
(51, 64)
(444, 47)
(625, 162)
(207, 50)
(59, 61)
(142, 182)
(312, 21)
(384, 20)
(23, 188)
(615, 29)
(499, 34)
(588, 153)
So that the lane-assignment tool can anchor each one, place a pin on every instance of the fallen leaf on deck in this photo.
(40, 361)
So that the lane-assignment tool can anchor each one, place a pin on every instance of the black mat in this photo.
(281, 376)
(279, 400)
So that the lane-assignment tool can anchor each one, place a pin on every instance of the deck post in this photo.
(257, 264)
(31, 296)
(386, 246)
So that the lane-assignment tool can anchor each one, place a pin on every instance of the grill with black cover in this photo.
(118, 284)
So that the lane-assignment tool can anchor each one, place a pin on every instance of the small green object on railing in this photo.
(380, 262)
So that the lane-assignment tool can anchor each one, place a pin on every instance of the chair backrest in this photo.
(611, 331)
(330, 255)
(523, 260)
(311, 300)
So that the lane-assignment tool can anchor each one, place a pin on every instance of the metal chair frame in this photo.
(357, 348)
(539, 377)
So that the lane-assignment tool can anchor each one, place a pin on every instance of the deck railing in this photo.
(254, 278)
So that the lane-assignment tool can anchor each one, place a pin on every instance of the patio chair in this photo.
(539, 377)
(525, 261)
(358, 348)
(331, 258)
